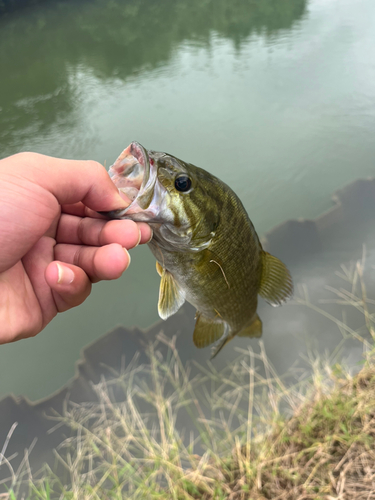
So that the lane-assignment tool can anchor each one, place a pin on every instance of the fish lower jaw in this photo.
(137, 214)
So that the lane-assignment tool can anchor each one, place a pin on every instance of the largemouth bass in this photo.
(206, 247)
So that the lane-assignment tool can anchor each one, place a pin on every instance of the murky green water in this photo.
(276, 97)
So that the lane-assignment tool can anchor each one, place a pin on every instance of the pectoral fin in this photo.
(207, 331)
(253, 330)
(171, 297)
(276, 284)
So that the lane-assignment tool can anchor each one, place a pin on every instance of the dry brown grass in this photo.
(325, 451)
(244, 446)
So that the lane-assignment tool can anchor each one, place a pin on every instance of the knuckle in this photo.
(81, 230)
(96, 167)
(85, 259)
(26, 158)
(26, 155)
(78, 257)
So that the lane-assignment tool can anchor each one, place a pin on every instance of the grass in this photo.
(257, 436)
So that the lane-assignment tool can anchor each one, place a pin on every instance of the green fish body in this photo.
(206, 247)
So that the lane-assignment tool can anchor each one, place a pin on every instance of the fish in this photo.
(206, 248)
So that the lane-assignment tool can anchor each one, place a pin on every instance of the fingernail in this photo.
(152, 235)
(129, 258)
(128, 254)
(124, 197)
(145, 227)
(65, 275)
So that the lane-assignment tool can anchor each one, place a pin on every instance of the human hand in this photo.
(53, 244)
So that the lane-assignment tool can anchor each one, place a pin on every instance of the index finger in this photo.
(71, 181)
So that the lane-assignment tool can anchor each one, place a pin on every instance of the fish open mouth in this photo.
(131, 170)
(135, 175)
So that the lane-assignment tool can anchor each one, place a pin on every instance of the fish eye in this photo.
(182, 183)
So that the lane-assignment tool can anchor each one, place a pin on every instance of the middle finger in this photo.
(96, 232)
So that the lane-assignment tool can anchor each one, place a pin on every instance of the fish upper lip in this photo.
(140, 153)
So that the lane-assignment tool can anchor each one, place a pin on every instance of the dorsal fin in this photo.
(207, 331)
(276, 284)
(171, 297)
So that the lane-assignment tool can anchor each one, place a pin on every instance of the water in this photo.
(273, 96)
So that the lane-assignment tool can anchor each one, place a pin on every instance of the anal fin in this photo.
(216, 349)
(171, 297)
(207, 331)
(255, 329)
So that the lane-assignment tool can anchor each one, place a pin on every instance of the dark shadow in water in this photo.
(42, 47)
(9, 6)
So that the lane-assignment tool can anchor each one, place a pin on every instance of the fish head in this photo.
(168, 193)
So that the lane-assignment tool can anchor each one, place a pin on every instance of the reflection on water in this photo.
(273, 96)
(112, 40)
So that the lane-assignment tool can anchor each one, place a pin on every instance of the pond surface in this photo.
(275, 97)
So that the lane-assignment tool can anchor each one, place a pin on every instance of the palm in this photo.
(21, 309)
